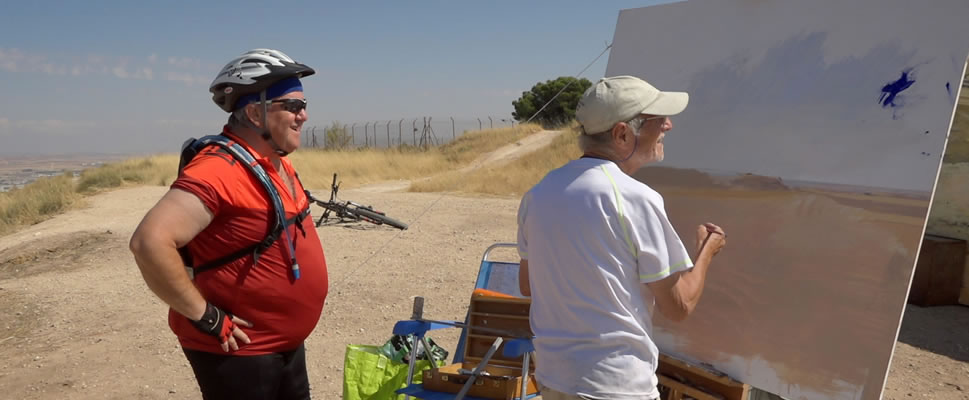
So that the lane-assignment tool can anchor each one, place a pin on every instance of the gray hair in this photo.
(601, 142)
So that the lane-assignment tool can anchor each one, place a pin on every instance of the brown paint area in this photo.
(814, 283)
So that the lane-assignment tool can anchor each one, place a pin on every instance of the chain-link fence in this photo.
(385, 133)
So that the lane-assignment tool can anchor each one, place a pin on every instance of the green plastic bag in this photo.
(367, 374)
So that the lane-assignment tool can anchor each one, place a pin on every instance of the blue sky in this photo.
(132, 77)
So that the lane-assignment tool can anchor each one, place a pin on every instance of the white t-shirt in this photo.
(593, 236)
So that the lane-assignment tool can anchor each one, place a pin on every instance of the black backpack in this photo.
(279, 224)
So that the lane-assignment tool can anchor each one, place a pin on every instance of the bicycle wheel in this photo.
(379, 218)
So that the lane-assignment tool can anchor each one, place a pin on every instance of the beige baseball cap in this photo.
(620, 98)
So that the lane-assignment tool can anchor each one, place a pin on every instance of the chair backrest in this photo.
(498, 276)
(495, 275)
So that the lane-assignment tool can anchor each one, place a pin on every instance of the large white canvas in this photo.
(814, 135)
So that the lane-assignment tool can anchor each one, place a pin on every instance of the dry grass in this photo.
(512, 179)
(45, 197)
(35, 202)
(363, 166)
(472, 144)
(154, 170)
(359, 167)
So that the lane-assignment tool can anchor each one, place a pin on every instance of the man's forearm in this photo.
(163, 271)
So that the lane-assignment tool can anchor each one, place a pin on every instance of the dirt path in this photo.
(79, 322)
(502, 155)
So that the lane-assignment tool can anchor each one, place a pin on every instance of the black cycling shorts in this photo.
(270, 376)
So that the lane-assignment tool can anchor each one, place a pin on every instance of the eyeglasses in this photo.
(637, 123)
(292, 105)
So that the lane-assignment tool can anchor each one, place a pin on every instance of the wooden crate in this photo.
(489, 312)
(938, 272)
(679, 380)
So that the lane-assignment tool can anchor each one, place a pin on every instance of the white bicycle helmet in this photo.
(253, 72)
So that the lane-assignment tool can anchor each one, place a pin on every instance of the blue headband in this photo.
(277, 89)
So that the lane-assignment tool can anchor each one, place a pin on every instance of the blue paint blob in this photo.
(891, 90)
(948, 89)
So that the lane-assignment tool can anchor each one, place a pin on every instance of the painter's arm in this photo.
(678, 294)
(523, 278)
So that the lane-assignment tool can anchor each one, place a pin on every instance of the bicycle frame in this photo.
(348, 210)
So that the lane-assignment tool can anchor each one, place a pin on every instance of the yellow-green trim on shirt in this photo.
(666, 271)
(622, 219)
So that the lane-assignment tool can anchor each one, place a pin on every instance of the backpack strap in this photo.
(279, 224)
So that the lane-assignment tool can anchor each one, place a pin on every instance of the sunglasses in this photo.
(292, 105)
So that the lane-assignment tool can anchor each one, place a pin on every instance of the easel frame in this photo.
(679, 380)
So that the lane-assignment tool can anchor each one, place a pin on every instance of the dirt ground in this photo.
(79, 322)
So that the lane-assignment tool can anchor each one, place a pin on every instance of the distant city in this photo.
(19, 171)
(17, 179)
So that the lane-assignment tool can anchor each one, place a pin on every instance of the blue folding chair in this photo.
(497, 276)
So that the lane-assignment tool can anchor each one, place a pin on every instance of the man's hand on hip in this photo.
(223, 326)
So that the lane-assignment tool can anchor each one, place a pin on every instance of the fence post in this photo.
(479, 124)
(375, 133)
(491, 123)
(400, 128)
(414, 125)
(388, 133)
(353, 134)
(452, 128)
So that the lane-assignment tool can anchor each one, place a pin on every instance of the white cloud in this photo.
(184, 62)
(120, 72)
(11, 59)
(121, 67)
(51, 69)
(186, 78)
(8, 65)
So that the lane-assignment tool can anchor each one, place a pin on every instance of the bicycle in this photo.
(348, 210)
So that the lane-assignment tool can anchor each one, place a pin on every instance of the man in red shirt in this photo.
(242, 322)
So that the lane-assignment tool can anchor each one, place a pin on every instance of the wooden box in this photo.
(506, 314)
(938, 273)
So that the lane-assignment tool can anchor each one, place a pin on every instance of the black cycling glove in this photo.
(215, 322)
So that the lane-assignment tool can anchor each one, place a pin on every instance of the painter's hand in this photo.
(711, 236)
